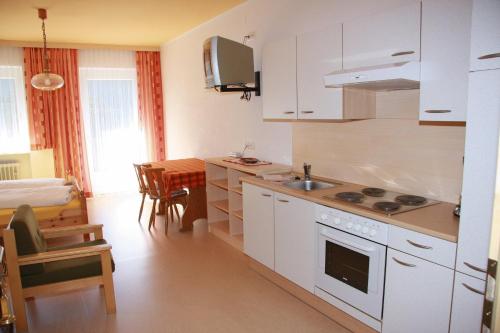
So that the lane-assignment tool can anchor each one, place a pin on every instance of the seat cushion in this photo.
(65, 270)
(178, 194)
(29, 239)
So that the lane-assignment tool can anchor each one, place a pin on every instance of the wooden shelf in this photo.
(237, 189)
(222, 205)
(221, 227)
(220, 183)
(238, 214)
(221, 230)
(239, 238)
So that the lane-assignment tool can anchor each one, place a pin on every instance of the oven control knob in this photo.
(365, 230)
(357, 227)
(349, 225)
(373, 232)
(324, 217)
(336, 220)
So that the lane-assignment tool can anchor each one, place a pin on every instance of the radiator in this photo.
(9, 170)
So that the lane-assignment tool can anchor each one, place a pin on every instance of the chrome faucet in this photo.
(307, 171)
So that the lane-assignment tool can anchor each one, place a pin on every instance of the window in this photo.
(109, 101)
(14, 134)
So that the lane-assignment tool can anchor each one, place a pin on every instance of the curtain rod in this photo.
(16, 43)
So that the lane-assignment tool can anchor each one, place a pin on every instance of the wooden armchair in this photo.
(143, 187)
(158, 191)
(35, 269)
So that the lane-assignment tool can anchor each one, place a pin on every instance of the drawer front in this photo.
(423, 246)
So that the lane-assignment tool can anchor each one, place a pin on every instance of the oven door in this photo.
(351, 268)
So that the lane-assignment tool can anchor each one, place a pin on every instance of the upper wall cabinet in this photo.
(319, 53)
(390, 37)
(485, 43)
(279, 79)
(445, 59)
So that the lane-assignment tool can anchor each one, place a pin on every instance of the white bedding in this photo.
(35, 197)
(32, 183)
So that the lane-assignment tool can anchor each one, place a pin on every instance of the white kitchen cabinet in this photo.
(444, 68)
(390, 37)
(417, 295)
(279, 79)
(480, 161)
(467, 306)
(485, 43)
(319, 53)
(258, 224)
(294, 237)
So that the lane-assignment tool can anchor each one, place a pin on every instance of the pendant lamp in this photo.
(46, 80)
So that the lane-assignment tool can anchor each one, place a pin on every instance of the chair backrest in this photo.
(143, 187)
(154, 179)
(29, 239)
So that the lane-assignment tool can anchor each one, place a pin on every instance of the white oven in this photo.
(351, 255)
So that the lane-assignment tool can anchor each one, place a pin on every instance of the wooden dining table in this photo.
(186, 173)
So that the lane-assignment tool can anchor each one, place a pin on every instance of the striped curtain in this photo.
(151, 119)
(55, 119)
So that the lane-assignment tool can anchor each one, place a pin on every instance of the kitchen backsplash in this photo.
(397, 154)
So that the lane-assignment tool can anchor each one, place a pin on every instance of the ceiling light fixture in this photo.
(46, 80)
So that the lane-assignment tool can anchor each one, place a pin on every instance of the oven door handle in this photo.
(346, 242)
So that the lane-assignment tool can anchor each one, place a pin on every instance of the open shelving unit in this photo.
(225, 197)
(225, 204)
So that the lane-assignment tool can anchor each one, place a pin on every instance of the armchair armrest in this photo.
(96, 229)
(63, 254)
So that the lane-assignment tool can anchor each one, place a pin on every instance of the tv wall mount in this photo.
(247, 91)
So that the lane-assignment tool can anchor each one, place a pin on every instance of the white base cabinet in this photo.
(294, 232)
(417, 295)
(467, 307)
(258, 224)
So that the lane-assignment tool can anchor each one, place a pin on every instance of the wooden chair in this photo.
(143, 187)
(159, 191)
(34, 268)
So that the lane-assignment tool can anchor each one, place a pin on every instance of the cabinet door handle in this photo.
(490, 56)
(397, 54)
(283, 200)
(307, 111)
(420, 246)
(289, 112)
(437, 111)
(477, 269)
(403, 263)
(474, 290)
(266, 195)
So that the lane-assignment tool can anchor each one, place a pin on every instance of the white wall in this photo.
(204, 123)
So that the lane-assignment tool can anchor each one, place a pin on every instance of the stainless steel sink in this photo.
(308, 185)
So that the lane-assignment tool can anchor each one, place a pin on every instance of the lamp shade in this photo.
(47, 81)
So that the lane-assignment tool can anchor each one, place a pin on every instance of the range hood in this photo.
(398, 76)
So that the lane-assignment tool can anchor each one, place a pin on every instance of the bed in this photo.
(72, 213)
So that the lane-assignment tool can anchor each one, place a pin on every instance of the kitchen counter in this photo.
(436, 220)
(252, 169)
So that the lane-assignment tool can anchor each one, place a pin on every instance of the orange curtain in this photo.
(55, 118)
(150, 100)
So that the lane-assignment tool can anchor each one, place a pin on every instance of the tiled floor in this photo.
(186, 282)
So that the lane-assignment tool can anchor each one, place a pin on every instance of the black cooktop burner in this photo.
(411, 200)
(386, 206)
(373, 192)
(354, 197)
